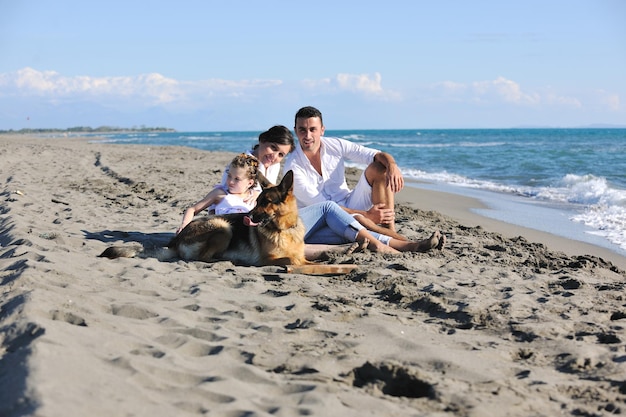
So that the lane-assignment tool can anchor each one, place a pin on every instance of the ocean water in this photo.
(569, 182)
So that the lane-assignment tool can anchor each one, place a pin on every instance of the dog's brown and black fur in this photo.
(276, 236)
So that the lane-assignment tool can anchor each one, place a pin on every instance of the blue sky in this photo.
(246, 65)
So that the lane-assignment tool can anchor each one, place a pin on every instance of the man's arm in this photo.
(377, 213)
(395, 180)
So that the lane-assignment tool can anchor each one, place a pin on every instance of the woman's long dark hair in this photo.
(279, 135)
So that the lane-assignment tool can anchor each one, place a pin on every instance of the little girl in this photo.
(241, 179)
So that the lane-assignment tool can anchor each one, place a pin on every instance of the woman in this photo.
(274, 144)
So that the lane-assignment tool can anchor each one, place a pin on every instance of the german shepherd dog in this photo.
(270, 234)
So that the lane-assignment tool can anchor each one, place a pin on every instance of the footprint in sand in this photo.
(393, 380)
(148, 350)
(195, 349)
(132, 311)
(68, 317)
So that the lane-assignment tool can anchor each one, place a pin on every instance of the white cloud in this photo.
(316, 84)
(607, 101)
(157, 93)
(29, 79)
(451, 87)
(507, 90)
(360, 83)
(613, 102)
(553, 98)
(499, 91)
(364, 84)
(148, 89)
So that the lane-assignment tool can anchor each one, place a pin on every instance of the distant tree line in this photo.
(87, 129)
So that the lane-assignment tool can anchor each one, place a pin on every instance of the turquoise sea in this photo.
(569, 182)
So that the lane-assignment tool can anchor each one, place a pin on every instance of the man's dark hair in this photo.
(308, 112)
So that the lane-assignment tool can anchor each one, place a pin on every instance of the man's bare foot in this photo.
(436, 241)
(357, 247)
(442, 241)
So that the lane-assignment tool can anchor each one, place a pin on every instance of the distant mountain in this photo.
(591, 126)
(605, 126)
(87, 129)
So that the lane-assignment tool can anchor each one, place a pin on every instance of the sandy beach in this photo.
(505, 321)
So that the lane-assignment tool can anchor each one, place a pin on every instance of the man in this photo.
(319, 172)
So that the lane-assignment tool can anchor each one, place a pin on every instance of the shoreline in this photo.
(461, 208)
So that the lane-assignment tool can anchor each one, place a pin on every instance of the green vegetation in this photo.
(87, 129)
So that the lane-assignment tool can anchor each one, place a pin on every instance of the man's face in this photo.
(309, 132)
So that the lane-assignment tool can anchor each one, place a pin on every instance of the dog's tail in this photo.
(114, 252)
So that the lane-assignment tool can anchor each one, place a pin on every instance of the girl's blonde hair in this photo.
(250, 164)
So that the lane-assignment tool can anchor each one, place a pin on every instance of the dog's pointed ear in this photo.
(286, 184)
(263, 181)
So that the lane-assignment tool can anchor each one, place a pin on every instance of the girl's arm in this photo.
(213, 197)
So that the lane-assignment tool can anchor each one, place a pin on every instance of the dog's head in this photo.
(276, 206)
